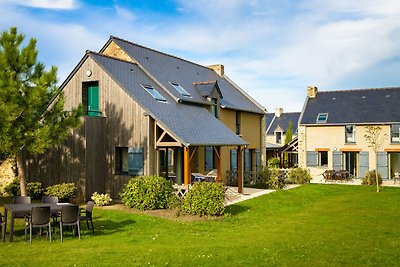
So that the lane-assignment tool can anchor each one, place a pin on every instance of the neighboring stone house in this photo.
(150, 113)
(331, 132)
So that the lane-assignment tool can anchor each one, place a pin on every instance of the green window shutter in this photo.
(337, 160)
(209, 158)
(382, 164)
(136, 160)
(364, 163)
(234, 162)
(312, 158)
(93, 99)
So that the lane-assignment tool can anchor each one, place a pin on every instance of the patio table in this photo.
(26, 209)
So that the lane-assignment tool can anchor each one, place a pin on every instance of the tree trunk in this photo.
(21, 174)
(377, 180)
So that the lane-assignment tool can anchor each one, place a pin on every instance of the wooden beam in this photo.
(168, 144)
(219, 170)
(186, 166)
(240, 170)
(191, 156)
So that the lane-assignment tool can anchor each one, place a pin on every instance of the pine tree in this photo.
(32, 116)
(289, 133)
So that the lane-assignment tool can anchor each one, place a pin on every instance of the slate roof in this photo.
(282, 121)
(190, 124)
(363, 106)
(167, 68)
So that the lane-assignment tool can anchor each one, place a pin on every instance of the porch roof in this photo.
(190, 124)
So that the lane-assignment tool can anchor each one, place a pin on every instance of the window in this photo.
(322, 118)
(278, 137)
(395, 133)
(323, 158)
(180, 89)
(214, 107)
(238, 119)
(90, 98)
(129, 160)
(234, 163)
(209, 158)
(350, 131)
(153, 92)
(247, 161)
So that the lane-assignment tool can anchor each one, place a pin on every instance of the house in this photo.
(151, 113)
(332, 131)
(277, 127)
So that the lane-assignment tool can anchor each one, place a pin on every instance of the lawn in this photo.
(312, 225)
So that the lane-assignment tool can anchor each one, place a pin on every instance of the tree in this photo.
(375, 141)
(289, 133)
(32, 116)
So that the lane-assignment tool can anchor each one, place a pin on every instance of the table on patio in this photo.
(25, 209)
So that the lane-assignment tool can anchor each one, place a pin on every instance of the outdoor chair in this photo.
(88, 214)
(39, 217)
(49, 199)
(70, 217)
(3, 227)
(22, 200)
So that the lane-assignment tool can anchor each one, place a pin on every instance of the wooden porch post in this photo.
(186, 165)
(218, 152)
(240, 170)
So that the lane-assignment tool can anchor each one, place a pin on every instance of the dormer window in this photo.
(153, 92)
(180, 89)
(322, 118)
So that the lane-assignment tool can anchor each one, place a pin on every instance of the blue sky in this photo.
(272, 49)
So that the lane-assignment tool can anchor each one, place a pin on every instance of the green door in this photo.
(93, 99)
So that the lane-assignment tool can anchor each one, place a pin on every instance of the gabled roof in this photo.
(363, 106)
(189, 124)
(167, 68)
(273, 122)
(209, 89)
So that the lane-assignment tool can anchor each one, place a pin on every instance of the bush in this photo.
(64, 191)
(270, 178)
(273, 162)
(101, 199)
(34, 190)
(204, 199)
(13, 189)
(370, 179)
(299, 176)
(148, 193)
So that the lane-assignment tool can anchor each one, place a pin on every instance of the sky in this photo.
(271, 49)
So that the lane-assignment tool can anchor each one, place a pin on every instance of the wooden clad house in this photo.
(331, 132)
(150, 113)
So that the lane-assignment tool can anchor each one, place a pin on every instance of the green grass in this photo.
(313, 225)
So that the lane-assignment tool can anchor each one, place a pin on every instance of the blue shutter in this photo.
(136, 160)
(258, 160)
(209, 159)
(364, 163)
(234, 160)
(247, 166)
(337, 160)
(312, 158)
(381, 158)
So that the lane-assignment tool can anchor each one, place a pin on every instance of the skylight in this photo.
(180, 89)
(322, 117)
(153, 92)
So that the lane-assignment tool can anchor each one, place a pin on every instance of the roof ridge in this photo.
(154, 50)
(362, 89)
(89, 52)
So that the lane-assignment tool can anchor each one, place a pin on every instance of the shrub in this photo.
(299, 176)
(34, 190)
(101, 199)
(64, 191)
(13, 189)
(204, 199)
(273, 162)
(270, 178)
(370, 179)
(148, 193)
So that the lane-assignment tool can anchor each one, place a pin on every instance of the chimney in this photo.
(278, 112)
(312, 91)
(218, 68)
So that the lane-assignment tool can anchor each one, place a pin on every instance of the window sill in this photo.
(350, 143)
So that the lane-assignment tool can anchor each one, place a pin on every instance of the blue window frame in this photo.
(322, 118)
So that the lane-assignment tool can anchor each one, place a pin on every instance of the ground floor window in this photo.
(129, 160)
(323, 158)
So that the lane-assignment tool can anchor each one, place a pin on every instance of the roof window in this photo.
(322, 117)
(180, 89)
(153, 92)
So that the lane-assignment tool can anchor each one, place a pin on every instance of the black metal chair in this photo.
(39, 217)
(3, 227)
(88, 211)
(49, 199)
(70, 217)
(22, 200)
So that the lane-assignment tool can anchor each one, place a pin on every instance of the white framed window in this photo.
(180, 89)
(350, 133)
(153, 92)
(322, 117)
(395, 133)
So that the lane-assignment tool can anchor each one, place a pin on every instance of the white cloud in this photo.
(47, 4)
(124, 13)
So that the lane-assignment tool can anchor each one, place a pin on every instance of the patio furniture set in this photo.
(46, 214)
(336, 176)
